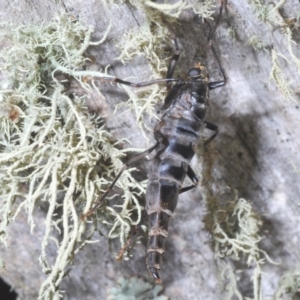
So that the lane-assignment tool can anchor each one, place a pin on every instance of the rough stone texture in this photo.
(254, 150)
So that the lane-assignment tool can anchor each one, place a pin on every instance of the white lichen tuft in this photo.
(235, 236)
(53, 149)
(204, 9)
(277, 75)
(149, 41)
(173, 10)
(256, 43)
(270, 14)
(289, 285)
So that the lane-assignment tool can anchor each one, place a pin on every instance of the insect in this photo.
(177, 136)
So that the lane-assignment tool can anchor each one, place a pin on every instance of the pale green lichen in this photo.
(51, 144)
(231, 33)
(234, 227)
(278, 76)
(45, 132)
(269, 14)
(235, 234)
(289, 285)
(53, 149)
(150, 41)
(256, 43)
(173, 10)
(204, 9)
(135, 289)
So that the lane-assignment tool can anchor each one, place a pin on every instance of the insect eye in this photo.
(194, 73)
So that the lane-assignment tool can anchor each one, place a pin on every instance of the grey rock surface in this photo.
(254, 153)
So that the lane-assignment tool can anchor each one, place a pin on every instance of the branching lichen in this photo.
(149, 41)
(289, 285)
(234, 227)
(269, 14)
(143, 42)
(237, 236)
(235, 233)
(173, 10)
(203, 9)
(278, 76)
(51, 146)
(256, 43)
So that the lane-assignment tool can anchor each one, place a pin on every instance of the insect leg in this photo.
(131, 238)
(169, 80)
(125, 166)
(212, 127)
(213, 85)
(175, 55)
(216, 84)
(140, 84)
(213, 30)
(191, 174)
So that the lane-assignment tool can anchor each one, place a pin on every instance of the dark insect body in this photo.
(177, 136)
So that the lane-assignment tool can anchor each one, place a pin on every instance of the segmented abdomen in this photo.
(166, 175)
(162, 196)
